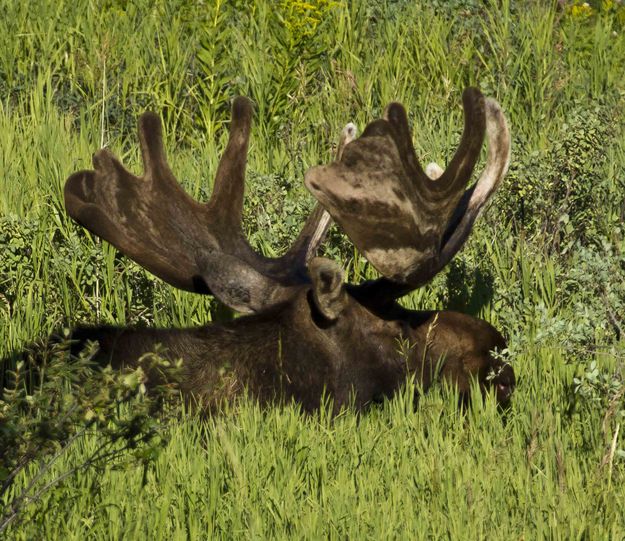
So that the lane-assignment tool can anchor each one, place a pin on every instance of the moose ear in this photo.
(327, 287)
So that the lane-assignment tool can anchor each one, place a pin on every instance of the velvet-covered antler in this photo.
(193, 246)
(409, 224)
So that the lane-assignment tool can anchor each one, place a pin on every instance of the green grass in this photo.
(546, 264)
(387, 474)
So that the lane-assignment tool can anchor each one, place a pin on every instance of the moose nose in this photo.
(503, 392)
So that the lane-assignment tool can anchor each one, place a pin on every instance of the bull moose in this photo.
(305, 331)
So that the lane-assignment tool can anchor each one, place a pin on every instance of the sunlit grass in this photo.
(392, 473)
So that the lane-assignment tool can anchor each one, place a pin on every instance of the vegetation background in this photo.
(546, 264)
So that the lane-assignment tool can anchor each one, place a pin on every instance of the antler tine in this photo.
(476, 198)
(453, 179)
(226, 203)
(348, 134)
(460, 169)
(395, 114)
(151, 143)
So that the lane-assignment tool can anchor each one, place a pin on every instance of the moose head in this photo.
(307, 332)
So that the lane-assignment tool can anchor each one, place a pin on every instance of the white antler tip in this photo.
(350, 130)
(434, 171)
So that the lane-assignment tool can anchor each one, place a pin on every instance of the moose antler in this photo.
(193, 246)
(409, 224)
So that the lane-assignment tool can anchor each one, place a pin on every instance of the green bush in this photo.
(559, 194)
(51, 401)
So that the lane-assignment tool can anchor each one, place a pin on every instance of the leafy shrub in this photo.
(16, 245)
(604, 390)
(53, 400)
(582, 10)
(273, 213)
(558, 193)
(302, 19)
(35, 250)
(595, 285)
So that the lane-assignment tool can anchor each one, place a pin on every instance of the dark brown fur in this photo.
(295, 353)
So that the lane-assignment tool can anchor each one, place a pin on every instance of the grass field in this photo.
(546, 263)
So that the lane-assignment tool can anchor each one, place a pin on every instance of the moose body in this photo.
(309, 333)
(293, 353)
